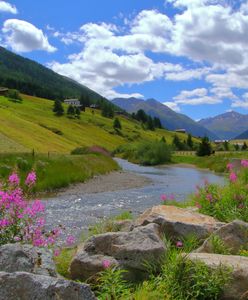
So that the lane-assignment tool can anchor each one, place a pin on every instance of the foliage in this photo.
(218, 246)
(148, 122)
(14, 95)
(80, 151)
(63, 260)
(190, 142)
(71, 110)
(56, 171)
(117, 124)
(58, 108)
(20, 220)
(107, 110)
(205, 147)
(229, 202)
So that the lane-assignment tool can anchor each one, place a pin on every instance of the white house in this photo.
(73, 102)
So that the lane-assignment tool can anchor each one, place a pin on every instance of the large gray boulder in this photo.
(129, 250)
(27, 258)
(233, 236)
(177, 222)
(237, 288)
(27, 286)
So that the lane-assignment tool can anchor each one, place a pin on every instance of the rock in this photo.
(238, 286)
(27, 286)
(233, 235)
(178, 222)
(27, 258)
(129, 250)
(123, 225)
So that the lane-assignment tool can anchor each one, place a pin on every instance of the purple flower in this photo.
(31, 179)
(56, 252)
(14, 179)
(106, 264)
(244, 163)
(233, 177)
(229, 166)
(70, 240)
(179, 244)
(163, 197)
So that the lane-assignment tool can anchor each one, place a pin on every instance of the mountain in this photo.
(227, 125)
(169, 118)
(32, 78)
(242, 136)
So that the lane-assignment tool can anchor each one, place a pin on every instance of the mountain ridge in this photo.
(170, 119)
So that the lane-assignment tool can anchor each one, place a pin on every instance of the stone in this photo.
(27, 258)
(123, 225)
(129, 250)
(177, 222)
(27, 286)
(234, 237)
(238, 285)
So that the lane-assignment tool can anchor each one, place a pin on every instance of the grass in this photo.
(63, 260)
(56, 171)
(32, 125)
(215, 162)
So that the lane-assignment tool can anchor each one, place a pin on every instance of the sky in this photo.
(191, 55)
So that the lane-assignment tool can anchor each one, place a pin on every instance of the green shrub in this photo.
(80, 151)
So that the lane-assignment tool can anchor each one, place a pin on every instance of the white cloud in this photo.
(172, 105)
(8, 8)
(241, 103)
(22, 36)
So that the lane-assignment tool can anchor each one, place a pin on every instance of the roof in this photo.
(3, 89)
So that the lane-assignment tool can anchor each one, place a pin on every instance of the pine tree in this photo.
(117, 124)
(71, 110)
(190, 143)
(150, 124)
(58, 108)
(77, 112)
(163, 140)
(205, 147)
(244, 147)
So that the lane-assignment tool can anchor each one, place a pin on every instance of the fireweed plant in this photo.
(229, 202)
(22, 220)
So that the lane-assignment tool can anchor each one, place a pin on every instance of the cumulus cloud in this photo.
(209, 33)
(22, 36)
(7, 7)
(172, 105)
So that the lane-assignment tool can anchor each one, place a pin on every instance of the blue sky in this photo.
(191, 55)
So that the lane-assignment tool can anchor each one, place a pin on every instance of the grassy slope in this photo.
(23, 127)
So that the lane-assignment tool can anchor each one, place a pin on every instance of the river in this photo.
(77, 211)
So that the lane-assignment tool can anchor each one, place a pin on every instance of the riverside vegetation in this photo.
(173, 276)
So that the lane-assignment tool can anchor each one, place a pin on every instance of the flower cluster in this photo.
(22, 220)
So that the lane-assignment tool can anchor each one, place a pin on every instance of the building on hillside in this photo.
(217, 142)
(3, 91)
(180, 130)
(94, 106)
(120, 112)
(73, 102)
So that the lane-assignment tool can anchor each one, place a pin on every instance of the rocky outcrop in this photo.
(129, 250)
(237, 288)
(27, 286)
(26, 258)
(177, 222)
(233, 236)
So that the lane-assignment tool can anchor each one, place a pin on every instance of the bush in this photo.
(205, 147)
(14, 96)
(80, 151)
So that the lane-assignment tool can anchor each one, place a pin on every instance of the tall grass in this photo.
(56, 171)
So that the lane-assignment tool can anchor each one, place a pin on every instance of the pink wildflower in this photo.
(4, 223)
(244, 163)
(209, 197)
(163, 197)
(179, 244)
(233, 177)
(14, 179)
(56, 252)
(106, 264)
(229, 166)
(172, 197)
(31, 179)
(198, 205)
(17, 238)
(70, 240)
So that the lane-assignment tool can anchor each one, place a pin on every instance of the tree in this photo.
(77, 112)
(189, 142)
(117, 124)
(58, 108)
(177, 143)
(236, 147)
(163, 140)
(157, 122)
(205, 147)
(244, 147)
(150, 124)
(141, 116)
(107, 110)
(226, 145)
(71, 110)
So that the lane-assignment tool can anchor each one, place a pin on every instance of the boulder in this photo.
(27, 258)
(237, 288)
(123, 225)
(27, 286)
(129, 250)
(234, 237)
(177, 222)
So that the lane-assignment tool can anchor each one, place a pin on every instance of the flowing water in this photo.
(77, 211)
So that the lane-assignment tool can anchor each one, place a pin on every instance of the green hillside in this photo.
(32, 78)
(32, 125)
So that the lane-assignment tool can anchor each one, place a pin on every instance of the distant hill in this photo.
(228, 125)
(242, 136)
(169, 118)
(32, 78)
